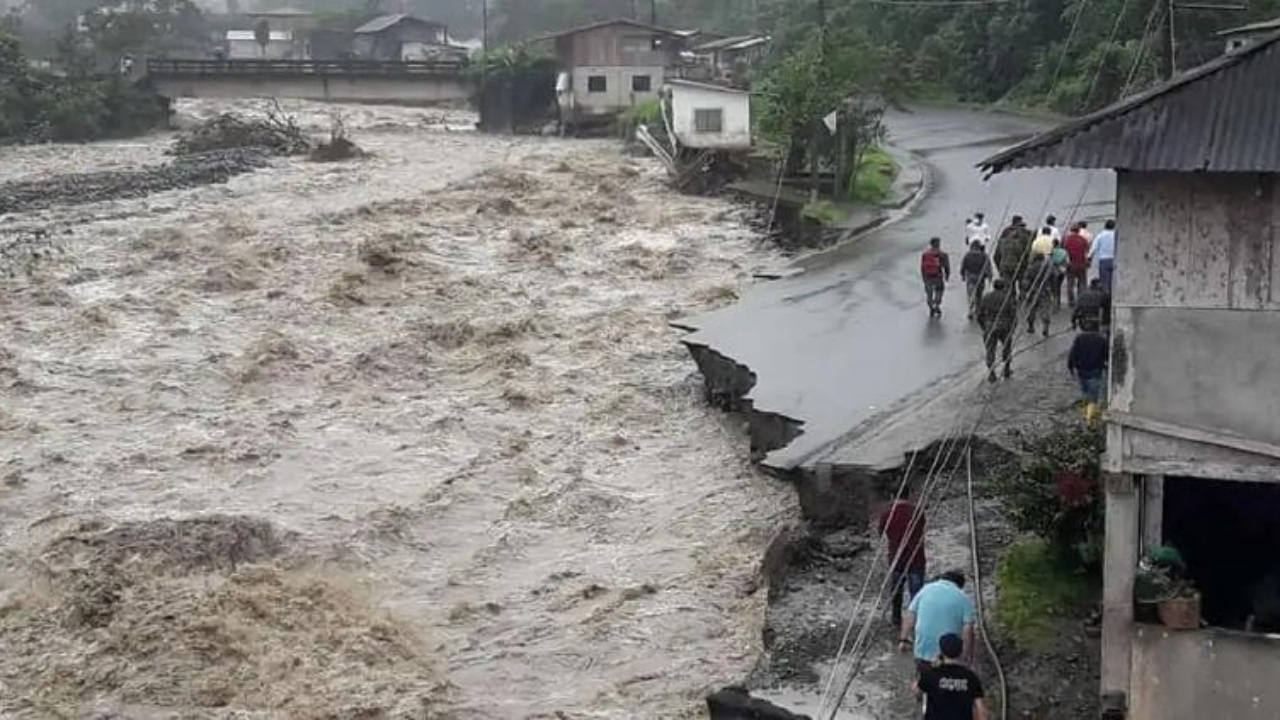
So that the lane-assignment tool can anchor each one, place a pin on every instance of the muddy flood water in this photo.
(407, 436)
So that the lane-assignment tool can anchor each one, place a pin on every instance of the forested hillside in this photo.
(1066, 55)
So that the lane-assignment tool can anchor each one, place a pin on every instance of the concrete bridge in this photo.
(425, 82)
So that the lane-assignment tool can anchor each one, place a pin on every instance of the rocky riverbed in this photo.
(407, 436)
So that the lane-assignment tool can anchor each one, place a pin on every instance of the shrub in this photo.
(1055, 492)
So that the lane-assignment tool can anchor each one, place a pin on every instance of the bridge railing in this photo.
(259, 68)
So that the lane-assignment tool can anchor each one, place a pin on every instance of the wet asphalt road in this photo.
(844, 341)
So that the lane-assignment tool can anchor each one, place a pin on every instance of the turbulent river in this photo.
(407, 436)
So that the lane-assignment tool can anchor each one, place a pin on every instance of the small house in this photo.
(244, 45)
(710, 117)
(607, 67)
(1193, 419)
(403, 38)
(1238, 38)
(732, 57)
(299, 22)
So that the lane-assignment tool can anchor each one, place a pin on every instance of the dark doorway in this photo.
(1229, 534)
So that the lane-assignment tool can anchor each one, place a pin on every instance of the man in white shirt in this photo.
(1104, 251)
(1051, 222)
(976, 228)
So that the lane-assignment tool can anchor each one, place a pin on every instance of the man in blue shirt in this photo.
(1104, 251)
(941, 607)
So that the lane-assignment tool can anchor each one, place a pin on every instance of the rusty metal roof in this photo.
(1223, 116)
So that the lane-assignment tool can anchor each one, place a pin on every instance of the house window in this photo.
(641, 83)
(708, 121)
(597, 84)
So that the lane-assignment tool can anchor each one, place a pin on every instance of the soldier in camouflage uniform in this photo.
(1037, 293)
(997, 316)
(1012, 250)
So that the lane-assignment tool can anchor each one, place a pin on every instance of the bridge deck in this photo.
(305, 68)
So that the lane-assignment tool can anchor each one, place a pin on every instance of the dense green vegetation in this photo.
(1036, 589)
(1064, 55)
(874, 176)
(37, 106)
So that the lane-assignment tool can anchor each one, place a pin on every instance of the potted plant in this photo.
(1161, 584)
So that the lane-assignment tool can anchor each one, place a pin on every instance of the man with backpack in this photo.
(976, 270)
(935, 270)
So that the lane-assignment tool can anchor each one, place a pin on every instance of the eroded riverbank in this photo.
(442, 376)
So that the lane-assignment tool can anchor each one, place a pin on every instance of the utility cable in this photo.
(861, 646)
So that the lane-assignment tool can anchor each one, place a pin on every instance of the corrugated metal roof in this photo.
(1221, 116)
(608, 23)
(379, 24)
(1264, 26)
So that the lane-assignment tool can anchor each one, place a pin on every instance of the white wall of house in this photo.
(695, 110)
(241, 45)
(601, 90)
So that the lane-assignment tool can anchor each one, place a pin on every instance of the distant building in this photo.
(607, 67)
(243, 45)
(1193, 418)
(1240, 37)
(732, 57)
(299, 22)
(707, 117)
(404, 37)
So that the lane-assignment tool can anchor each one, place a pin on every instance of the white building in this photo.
(243, 45)
(707, 116)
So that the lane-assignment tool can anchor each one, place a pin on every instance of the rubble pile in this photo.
(80, 188)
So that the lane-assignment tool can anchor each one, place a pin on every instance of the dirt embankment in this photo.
(816, 571)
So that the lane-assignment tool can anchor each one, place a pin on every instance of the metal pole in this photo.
(1173, 40)
(484, 25)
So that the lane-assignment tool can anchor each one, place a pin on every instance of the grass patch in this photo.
(824, 212)
(1037, 589)
(646, 112)
(873, 180)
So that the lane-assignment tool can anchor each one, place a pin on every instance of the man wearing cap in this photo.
(951, 690)
(941, 607)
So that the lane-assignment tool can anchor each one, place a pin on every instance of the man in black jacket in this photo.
(976, 270)
(1087, 361)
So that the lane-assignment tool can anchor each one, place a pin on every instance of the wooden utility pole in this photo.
(817, 126)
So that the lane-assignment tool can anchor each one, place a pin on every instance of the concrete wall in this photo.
(251, 50)
(618, 94)
(1196, 317)
(736, 113)
(1195, 675)
(391, 91)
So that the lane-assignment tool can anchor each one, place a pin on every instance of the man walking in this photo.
(1037, 284)
(1077, 247)
(976, 228)
(1091, 307)
(976, 270)
(997, 315)
(1087, 361)
(902, 526)
(1012, 248)
(935, 270)
(951, 690)
(1104, 251)
(940, 608)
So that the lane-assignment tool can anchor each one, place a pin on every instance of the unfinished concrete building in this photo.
(1193, 423)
